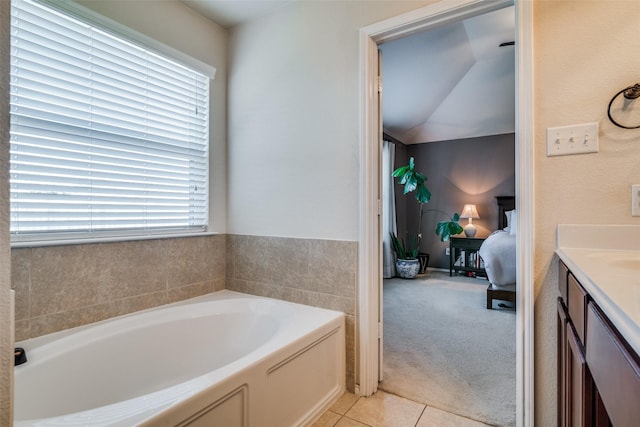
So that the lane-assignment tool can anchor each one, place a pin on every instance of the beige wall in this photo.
(294, 119)
(585, 52)
(6, 333)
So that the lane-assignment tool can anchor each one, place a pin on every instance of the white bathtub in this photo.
(223, 359)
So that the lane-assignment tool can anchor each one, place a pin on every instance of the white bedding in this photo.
(499, 254)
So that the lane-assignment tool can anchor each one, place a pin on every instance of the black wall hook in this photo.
(631, 93)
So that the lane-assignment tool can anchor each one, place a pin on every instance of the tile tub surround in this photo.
(60, 287)
(321, 273)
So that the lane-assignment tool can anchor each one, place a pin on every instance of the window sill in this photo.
(106, 239)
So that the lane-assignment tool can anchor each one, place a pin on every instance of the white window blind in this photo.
(105, 135)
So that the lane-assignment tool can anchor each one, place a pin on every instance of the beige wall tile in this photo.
(22, 329)
(218, 257)
(141, 302)
(137, 267)
(20, 268)
(68, 277)
(289, 263)
(232, 244)
(253, 259)
(218, 284)
(188, 261)
(58, 282)
(332, 267)
(189, 291)
(47, 324)
(350, 341)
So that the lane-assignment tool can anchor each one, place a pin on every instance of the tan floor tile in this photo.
(348, 422)
(344, 403)
(433, 417)
(386, 410)
(328, 419)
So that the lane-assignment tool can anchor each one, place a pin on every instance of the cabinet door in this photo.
(615, 368)
(562, 363)
(578, 382)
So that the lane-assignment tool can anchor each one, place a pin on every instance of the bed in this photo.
(498, 252)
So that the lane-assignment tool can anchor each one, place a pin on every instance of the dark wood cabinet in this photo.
(598, 372)
(563, 321)
(615, 369)
(574, 380)
(578, 380)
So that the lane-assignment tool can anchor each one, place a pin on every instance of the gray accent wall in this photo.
(472, 170)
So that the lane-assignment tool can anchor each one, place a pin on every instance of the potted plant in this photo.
(407, 263)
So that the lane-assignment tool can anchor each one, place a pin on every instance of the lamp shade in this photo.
(469, 211)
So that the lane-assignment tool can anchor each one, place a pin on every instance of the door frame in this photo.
(368, 327)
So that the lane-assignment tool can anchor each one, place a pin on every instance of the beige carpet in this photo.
(443, 347)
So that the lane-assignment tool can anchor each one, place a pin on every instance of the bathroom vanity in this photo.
(598, 325)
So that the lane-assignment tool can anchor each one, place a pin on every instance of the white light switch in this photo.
(575, 139)
(635, 200)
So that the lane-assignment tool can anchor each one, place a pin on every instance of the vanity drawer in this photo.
(614, 369)
(576, 303)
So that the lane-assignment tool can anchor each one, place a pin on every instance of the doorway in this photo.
(369, 279)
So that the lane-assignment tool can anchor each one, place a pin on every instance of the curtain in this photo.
(388, 209)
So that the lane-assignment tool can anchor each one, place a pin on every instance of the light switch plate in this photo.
(635, 200)
(574, 139)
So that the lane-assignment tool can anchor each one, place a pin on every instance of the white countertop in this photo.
(606, 261)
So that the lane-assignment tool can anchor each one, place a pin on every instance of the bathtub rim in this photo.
(223, 294)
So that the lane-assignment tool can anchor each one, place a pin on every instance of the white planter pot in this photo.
(407, 268)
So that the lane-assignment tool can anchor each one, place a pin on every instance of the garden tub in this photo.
(223, 359)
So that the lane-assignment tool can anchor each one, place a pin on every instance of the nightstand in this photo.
(464, 257)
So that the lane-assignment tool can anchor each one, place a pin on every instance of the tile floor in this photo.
(388, 410)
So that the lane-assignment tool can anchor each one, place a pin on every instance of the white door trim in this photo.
(369, 267)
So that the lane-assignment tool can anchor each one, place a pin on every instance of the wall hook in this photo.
(631, 93)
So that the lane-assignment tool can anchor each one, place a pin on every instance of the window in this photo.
(107, 137)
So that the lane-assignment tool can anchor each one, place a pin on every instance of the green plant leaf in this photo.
(401, 171)
(410, 182)
(446, 229)
(423, 195)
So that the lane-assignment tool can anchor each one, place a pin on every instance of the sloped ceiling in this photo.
(452, 82)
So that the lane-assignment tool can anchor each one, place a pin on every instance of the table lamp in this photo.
(470, 211)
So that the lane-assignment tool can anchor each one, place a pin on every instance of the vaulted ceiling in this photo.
(448, 83)
(452, 82)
